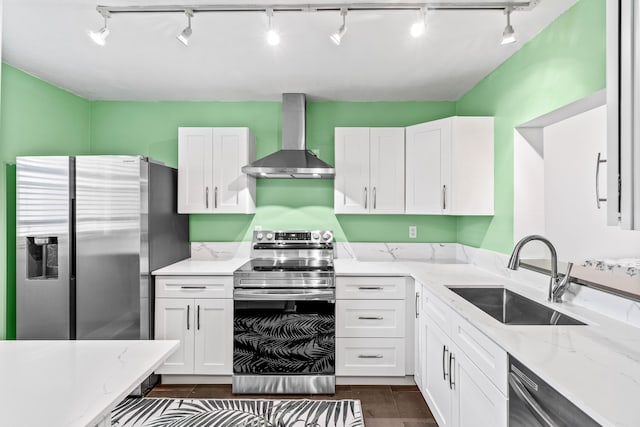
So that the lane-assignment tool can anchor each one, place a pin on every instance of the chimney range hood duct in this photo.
(294, 160)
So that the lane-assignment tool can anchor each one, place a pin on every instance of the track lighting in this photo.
(338, 35)
(183, 37)
(418, 27)
(100, 37)
(273, 38)
(508, 35)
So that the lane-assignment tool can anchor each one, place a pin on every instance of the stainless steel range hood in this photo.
(294, 160)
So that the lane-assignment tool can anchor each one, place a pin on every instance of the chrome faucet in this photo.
(557, 286)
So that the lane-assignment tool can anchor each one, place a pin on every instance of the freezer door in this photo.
(43, 209)
(111, 207)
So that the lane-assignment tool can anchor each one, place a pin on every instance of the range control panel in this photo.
(284, 237)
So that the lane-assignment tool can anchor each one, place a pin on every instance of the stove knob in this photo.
(315, 236)
(259, 236)
(269, 236)
(327, 236)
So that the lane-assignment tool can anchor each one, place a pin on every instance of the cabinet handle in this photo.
(215, 197)
(198, 317)
(599, 161)
(188, 316)
(374, 198)
(370, 318)
(444, 197)
(452, 382)
(417, 304)
(445, 350)
(370, 356)
(370, 288)
(365, 197)
(193, 287)
(206, 197)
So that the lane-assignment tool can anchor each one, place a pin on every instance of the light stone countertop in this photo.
(597, 366)
(72, 383)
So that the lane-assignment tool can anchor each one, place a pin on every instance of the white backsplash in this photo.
(618, 308)
(219, 251)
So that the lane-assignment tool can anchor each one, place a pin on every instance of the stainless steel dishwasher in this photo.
(533, 403)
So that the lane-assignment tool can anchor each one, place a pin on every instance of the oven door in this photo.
(284, 332)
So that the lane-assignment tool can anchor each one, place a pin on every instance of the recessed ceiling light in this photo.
(273, 38)
(183, 37)
(508, 35)
(100, 37)
(338, 35)
(418, 27)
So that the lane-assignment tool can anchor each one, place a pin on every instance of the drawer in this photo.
(370, 357)
(194, 287)
(360, 319)
(437, 310)
(490, 358)
(371, 287)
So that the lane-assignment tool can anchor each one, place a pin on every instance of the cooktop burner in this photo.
(299, 265)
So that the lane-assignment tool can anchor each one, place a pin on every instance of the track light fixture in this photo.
(273, 38)
(183, 37)
(338, 35)
(100, 37)
(418, 27)
(508, 35)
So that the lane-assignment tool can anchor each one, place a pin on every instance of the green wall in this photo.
(36, 119)
(564, 63)
(151, 128)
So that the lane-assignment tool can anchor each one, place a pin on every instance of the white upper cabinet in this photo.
(386, 170)
(449, 167)
(369, 171)
(623, 129)
(210, 179)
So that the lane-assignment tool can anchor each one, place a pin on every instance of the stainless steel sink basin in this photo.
(511, 308)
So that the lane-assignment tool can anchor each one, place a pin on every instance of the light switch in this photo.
(413, 231)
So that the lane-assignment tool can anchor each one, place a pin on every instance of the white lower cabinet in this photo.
(204, 327)
(418, 351)
(458, 392)
(370, 357)
(174, 320)
(371, 324)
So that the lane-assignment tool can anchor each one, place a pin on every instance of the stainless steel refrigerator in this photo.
(90, 229)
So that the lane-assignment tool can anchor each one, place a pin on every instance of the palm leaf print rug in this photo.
(153, 412)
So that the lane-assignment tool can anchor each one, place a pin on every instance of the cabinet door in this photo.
(425, 187)
(476, 401)
(214, 336)
(470, 158)
(418, 352)
(174, 321)
(231, 187)
(351, 184)
(195, 166)
(386, 170)
(435, 377)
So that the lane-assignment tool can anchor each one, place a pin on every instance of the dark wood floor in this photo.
(382, 406)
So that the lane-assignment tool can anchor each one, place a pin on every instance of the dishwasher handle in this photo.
(523, 394)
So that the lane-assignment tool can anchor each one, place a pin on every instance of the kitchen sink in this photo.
(511, 308)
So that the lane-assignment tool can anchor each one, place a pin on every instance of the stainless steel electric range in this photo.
(284, 315)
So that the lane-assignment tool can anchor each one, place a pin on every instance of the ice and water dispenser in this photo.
(42, 257)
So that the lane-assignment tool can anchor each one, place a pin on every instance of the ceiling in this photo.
(229, 59)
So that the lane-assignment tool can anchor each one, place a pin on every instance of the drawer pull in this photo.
(193, 287)
(370, 356)
(370, 318)
(371, 288)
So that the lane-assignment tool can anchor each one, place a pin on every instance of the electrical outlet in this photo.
(413, 231)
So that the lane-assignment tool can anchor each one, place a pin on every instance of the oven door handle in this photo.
(522, 393)
(284, 295)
